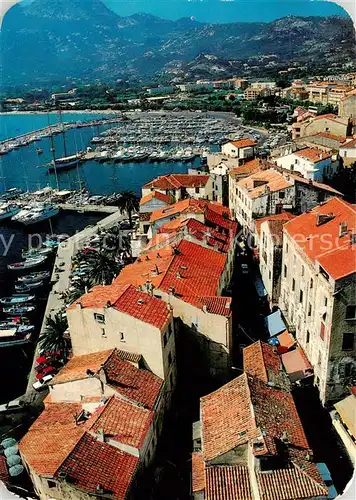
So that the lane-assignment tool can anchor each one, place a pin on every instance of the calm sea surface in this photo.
(23, 167)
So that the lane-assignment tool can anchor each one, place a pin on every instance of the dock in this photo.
(105, 209)
(61, 279)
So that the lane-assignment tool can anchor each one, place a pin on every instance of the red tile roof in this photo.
(283, 216)
(243, 143)
(126, 299)
(296, 364)
(94, 464)
(77, 367)
(158, 195)
(228, 482)
(52, 437)
(123, 422)
(187, 206)
(336, 255)
(248, 168)
(349, 144)
(333, 137)
(260, 359)
(331, 116)
(291, 482)
(176, 181)
(194, 273)
(313, 154)
(137, 385)
(198, 472)
(248, 412)
(273, 180)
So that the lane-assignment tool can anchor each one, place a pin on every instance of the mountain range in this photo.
(66, 40)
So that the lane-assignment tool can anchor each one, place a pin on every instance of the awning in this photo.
(286, 342)
(346, 408)
(275, 324)
(296, 364)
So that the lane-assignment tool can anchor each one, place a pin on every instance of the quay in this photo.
(61, 280)
(57, 128)
(105, 209)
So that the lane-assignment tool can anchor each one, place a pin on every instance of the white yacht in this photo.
(39, 214)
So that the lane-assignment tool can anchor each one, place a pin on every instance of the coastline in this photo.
(71, 111)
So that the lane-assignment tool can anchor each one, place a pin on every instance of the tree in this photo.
(116, 243)
(128, 202)
(104, 268)
(53, 339)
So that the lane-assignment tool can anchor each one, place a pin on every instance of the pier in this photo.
(61, 279)
(105, 209)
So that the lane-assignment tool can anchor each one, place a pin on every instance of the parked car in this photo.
(41, 384)
(244, 268)
(325, 474)
(16, 405)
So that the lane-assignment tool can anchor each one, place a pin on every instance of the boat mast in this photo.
(2, 176)
(63, 134)
(53, 152)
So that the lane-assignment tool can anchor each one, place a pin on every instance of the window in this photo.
(311, 283)
(103, 332)
(281, 195)
(325, 301)
(287, 246)
(350, 312)
(301, 296)
(170, 358)
(51, 484)
(197, 190)
(100, 318)
(302, 272)
(308, 336)
(319, 358)
(285, 271)
(165, 339)
(348, 341)
(122, 337)
(322, 331)
(309, 309)
(293, 285)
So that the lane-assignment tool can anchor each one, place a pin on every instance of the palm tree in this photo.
(53, 339)
(80, 288)
(104, 268)
(128, 202)
(116, 243)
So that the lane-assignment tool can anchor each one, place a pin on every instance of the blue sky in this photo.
(226, 10)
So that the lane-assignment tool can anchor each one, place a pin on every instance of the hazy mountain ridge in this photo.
(66, 39)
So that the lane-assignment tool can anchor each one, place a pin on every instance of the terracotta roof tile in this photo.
(333, 137)
(313, 154)
(194, 273)
(261, 358)
(93, 463)
(338, 256)
(283, 216)
(198, 474)
(123, 422)
(44, 447)
(349, 144)
(76, 368)
(138, 385)
(243, 143)
(176, 181)
(228, 483)
(248, 168)
(126, 299)
(272, 180)
(158, 195)
(187, 206)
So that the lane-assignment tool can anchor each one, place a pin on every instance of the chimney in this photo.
(178, 275)
(108, 304)
(284, 437)
(100, 435)
(205, 308)
(140, 301)
(79, 305)
(342, 229)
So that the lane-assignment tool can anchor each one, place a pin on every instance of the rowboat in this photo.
(34, 277)
(16, 299)
(18, 310)
(23, 287)
(27, 264)
(8, 325)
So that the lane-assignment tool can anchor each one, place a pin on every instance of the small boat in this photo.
(27, 264)
(54, 240)
(14, 336)
(18, 310)
(16, 299)
(39, 214)
(34, 277)
(36, 252)
(23, 287)
(39, 151)
(20, 328)
(8, 210)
